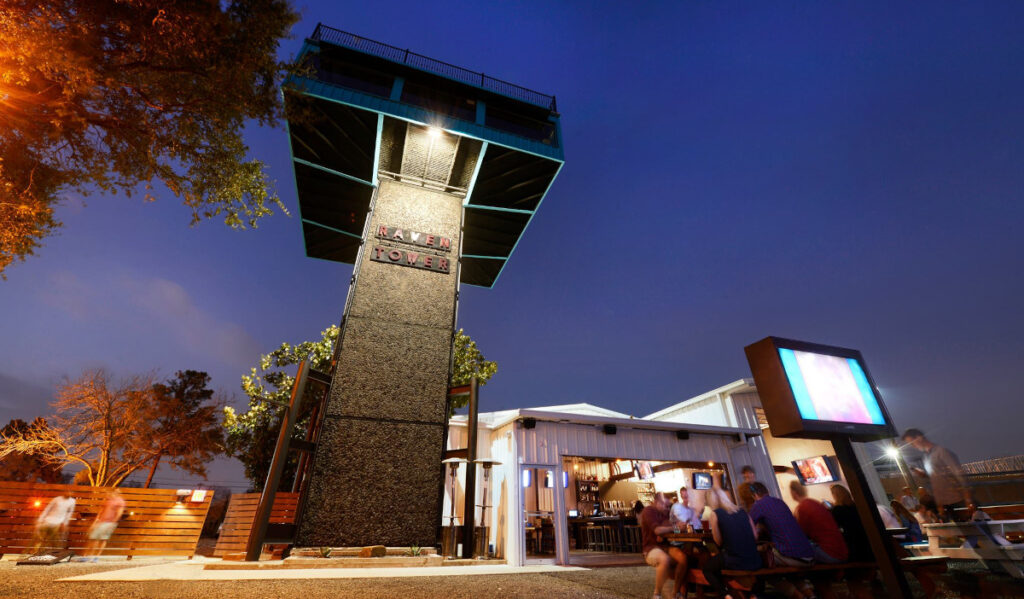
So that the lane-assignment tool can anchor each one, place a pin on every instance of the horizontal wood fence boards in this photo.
(238, 520)
(154, 521)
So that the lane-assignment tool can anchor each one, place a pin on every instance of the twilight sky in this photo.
(844, 173)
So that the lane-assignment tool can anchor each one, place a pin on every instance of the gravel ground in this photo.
(602, 583)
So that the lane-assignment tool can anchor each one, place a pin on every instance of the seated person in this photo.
(908, 521)
(844, 512)
(654, 522)
(789, 543)
(745, 496)
(817, 523)
(682, 513)
(735, 535)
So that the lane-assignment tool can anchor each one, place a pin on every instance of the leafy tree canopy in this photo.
(186, 426)
(251, 435)
(123, 95)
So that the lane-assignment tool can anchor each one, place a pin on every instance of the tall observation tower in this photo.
(424, 175)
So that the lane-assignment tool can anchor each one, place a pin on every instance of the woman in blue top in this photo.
(735, 534)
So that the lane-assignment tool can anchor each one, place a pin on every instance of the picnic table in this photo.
(983, 540)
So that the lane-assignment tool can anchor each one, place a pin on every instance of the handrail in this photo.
(338, 37)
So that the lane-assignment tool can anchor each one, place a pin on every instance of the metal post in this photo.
(881, 546)
(907, 477)
(258, 532)
(469, 513)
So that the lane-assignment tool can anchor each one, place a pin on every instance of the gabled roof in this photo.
(740, 386)
(495, 420)
(582, 408)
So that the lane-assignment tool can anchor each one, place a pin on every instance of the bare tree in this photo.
(105, 428)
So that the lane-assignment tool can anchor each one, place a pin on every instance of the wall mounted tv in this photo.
(701, 480)
(643, 470)
(816, 470)
(817, 391)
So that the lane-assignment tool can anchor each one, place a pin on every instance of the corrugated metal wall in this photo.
(549, 442)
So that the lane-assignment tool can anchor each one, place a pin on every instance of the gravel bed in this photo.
(601, 583)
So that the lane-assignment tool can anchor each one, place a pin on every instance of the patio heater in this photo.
(453, 472)
(481, 541)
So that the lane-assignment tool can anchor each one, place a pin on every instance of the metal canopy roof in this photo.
(336, 116)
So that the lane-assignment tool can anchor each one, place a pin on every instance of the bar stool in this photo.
(632, 541)
(591, 534)
(612, 538)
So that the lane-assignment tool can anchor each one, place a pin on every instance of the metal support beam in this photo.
(258, 532)
(881, 546)
(469, 509)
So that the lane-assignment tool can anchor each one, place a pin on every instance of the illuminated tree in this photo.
(27, 467)
(186, 424)
(125, 95)
(97, 425)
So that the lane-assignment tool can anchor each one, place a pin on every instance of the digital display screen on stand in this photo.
(816, 391)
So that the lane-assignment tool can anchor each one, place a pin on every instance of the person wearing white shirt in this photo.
(53, 522)
(682, 514)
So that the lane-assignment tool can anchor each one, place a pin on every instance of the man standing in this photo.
(654, 522)
(789, 543)
(682, 513)
(819, 526)
(942, 468)
(748, 473)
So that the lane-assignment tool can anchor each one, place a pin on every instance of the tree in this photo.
(118, 95)
(27, 467)
(251, 436)
(186, 427)
(469, 363)
(97, 425)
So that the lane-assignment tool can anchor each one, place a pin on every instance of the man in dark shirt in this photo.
(654, 522)
(789, 543)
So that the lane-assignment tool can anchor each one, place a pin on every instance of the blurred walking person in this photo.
(944, 473)
(52, 524)
(104, 525)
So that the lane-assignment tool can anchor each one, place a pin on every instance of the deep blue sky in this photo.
(848, 174)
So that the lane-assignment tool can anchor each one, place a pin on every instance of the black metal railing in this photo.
(351, 40)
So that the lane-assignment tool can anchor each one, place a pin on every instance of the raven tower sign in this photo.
(424, 176)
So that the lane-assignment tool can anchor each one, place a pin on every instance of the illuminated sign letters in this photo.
(406, 257)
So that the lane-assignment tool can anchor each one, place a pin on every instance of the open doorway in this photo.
(539, 539)
(603, 498)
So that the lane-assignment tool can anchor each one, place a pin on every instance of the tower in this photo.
(423, 175)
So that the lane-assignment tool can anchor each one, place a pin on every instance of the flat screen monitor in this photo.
(816, 470)
(574, 513)
(701, 480)
(643, 470)
(816, 391)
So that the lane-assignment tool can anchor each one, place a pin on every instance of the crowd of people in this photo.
(762, 531)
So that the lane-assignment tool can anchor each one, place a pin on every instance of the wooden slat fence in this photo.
(234, 534)
(154, 522)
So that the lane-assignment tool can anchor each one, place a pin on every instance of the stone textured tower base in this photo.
(376, 471)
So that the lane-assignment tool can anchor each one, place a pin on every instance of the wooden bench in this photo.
(984, 540)
(742, 582)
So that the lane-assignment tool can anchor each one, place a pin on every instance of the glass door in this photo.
(538, 486)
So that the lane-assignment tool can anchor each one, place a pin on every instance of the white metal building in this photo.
(724, 426)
